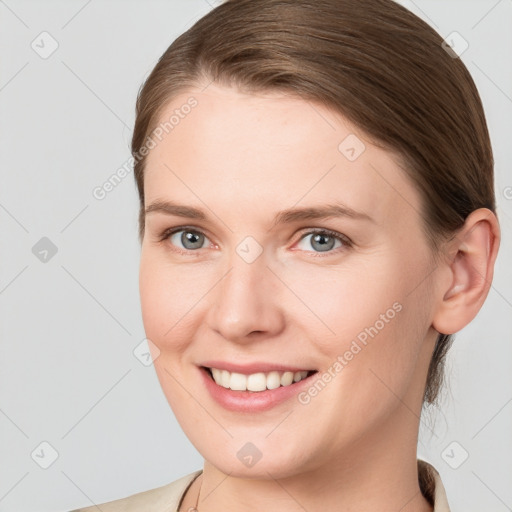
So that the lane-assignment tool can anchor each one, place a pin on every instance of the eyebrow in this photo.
(283, 217)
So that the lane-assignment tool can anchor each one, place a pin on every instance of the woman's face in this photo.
(295, 248)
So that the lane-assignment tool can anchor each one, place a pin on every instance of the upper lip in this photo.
(256, 367)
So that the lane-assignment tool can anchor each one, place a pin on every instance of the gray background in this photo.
(69, 325)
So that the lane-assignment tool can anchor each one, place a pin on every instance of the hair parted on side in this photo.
(375, 63)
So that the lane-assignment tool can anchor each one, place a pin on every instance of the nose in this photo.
(245, 303)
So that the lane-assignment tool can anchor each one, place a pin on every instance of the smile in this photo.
(257, 382)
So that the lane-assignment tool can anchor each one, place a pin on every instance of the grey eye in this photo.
(321, 242)
(188, 239)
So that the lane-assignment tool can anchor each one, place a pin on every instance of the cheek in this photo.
(152, 292)
(165, 301)
(371, 319)
(166, 295)
(174, 301)
(346, 303)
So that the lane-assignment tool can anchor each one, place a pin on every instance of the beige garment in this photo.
(168, 497)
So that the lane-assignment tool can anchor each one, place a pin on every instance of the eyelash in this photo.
(347, 243)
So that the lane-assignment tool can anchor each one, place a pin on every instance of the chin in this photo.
(252, 460)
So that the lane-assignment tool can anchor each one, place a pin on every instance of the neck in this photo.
(379, 474)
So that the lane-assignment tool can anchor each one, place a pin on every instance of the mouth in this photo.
(256, 382)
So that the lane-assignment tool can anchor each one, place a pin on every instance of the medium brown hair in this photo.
(373, 61)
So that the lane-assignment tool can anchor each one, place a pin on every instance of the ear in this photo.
(469, 268)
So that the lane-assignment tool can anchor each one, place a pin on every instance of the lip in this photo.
(257, 367)
(251, 401)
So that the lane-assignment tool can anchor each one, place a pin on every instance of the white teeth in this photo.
(273, 380)
(224, 378)
(256, 381)
(299, 376)
(216, 374)
(238, 382)
(287, 378)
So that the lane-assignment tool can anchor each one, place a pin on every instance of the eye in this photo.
(185, 239)
(324, 241)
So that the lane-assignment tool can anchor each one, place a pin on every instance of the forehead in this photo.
(271, 151)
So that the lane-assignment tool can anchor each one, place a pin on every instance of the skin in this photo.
(242, 158)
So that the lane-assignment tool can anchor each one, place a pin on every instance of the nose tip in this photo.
(244, 303)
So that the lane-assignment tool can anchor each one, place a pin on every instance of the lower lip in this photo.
(251, 401)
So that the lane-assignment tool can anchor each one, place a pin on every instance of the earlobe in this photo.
(471, 270)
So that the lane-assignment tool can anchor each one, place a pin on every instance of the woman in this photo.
(317, 219)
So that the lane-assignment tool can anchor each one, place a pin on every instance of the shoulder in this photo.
(165, 498)
(169, 496)
(432, 487)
